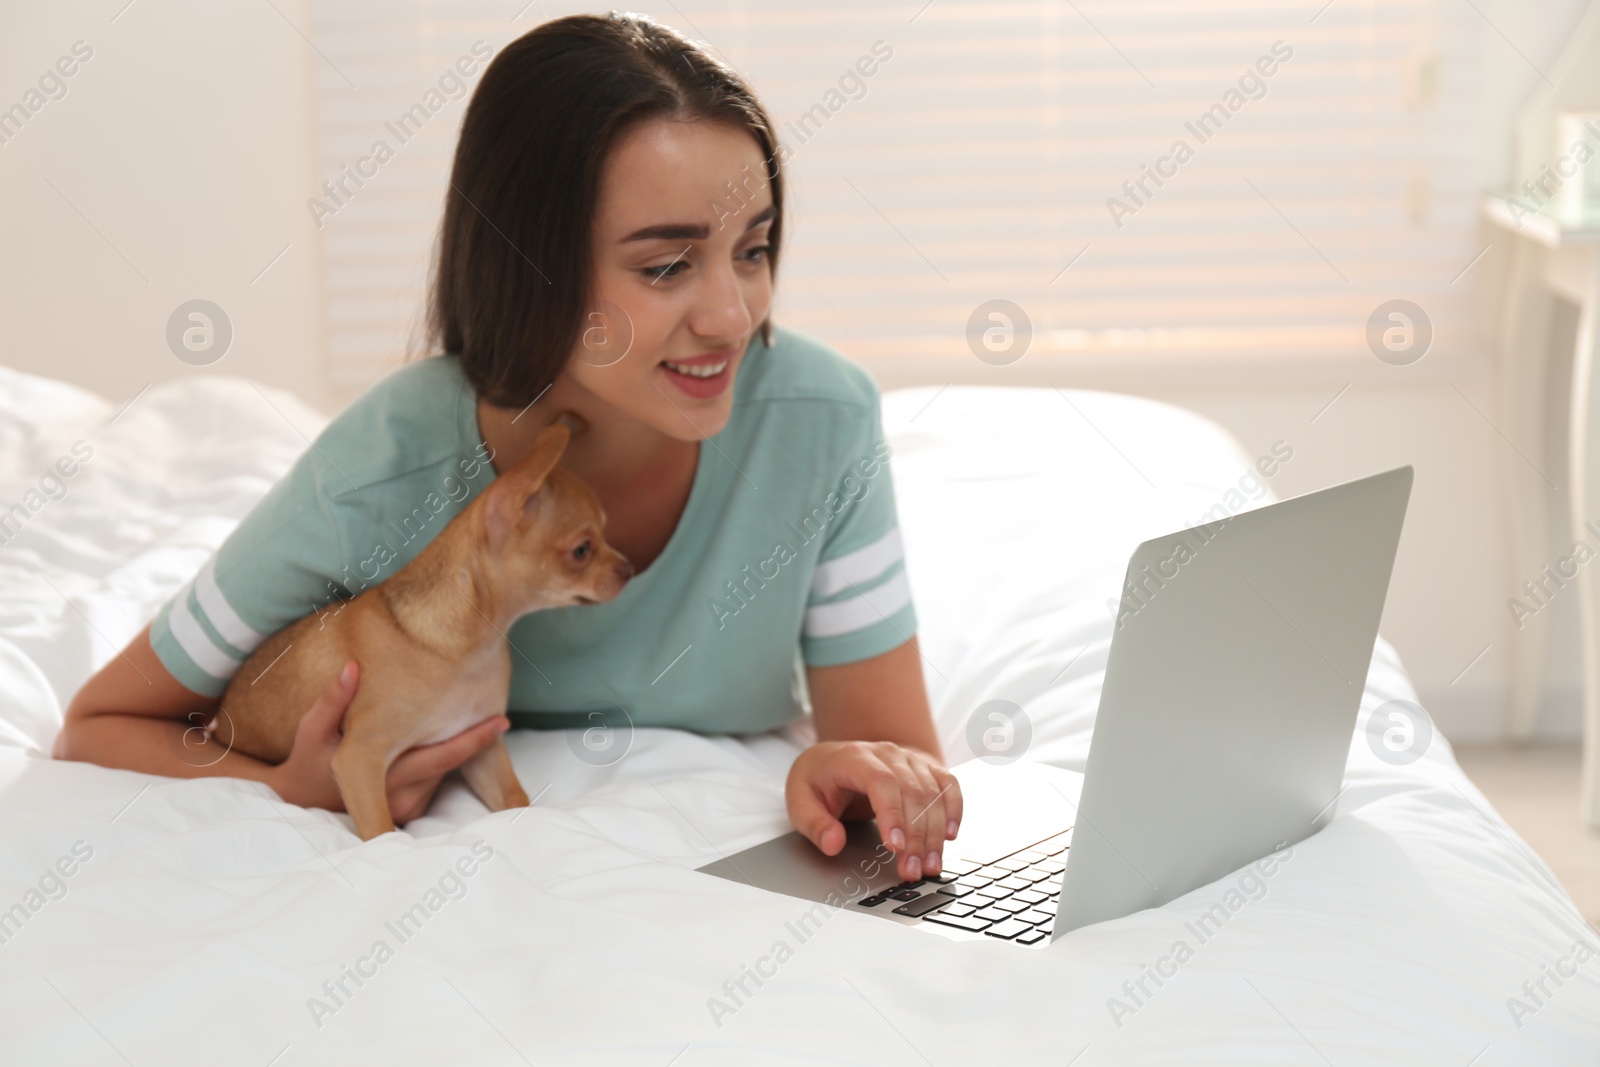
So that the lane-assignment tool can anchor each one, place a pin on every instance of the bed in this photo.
(177, 922)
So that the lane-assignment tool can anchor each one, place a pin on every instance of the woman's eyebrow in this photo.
(690, 231)
(670, 231)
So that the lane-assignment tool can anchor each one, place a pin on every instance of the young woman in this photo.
(608, 244)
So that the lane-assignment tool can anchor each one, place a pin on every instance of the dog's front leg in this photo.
(362, 773)
(492, 777)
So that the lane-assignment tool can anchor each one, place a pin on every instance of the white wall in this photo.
(1453, 574)
(1446, 600)
(184, 141)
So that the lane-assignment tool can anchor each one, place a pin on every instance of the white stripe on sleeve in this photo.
(194, 640)
(858, 613)
(862, 565)
(234, 630)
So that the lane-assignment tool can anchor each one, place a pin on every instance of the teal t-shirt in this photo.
(788, 551)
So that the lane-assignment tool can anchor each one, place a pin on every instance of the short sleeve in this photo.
(277, 566)
(859, 604)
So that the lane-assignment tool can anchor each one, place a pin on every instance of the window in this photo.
(1018, 151)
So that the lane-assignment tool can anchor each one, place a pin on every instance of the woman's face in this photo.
(681, 274)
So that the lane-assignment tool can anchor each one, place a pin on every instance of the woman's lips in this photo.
(704, 376)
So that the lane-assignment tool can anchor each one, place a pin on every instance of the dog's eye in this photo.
(581, 553)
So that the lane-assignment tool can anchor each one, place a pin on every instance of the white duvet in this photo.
(155, 921)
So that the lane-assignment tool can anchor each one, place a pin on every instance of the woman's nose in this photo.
(721, 311)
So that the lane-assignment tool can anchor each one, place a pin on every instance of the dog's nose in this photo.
(624, 570)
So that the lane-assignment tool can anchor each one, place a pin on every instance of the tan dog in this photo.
(431, 640)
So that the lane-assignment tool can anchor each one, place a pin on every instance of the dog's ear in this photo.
(514, 495)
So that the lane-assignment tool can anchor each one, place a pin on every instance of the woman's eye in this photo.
(666, 270)
(581, 553)
(758, 253)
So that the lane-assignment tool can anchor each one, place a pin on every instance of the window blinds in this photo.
(1197, 181)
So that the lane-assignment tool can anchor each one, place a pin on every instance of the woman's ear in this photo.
(513, 496)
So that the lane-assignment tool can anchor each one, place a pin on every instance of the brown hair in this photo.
(513, 264)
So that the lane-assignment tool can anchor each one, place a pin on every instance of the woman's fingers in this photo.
(953, 805)
(889, 785)
(306, 776)
(917, 803)
(911, 816)
(327, 711)
(931, 820)
(815, 815)
(924, 814)
(415, 777)
(440, 758)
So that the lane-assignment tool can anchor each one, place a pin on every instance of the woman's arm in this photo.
(135, 715)
(877, 754)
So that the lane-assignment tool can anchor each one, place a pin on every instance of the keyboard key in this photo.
(994, 915)
(922, 905)
(963, 922)
(1033, 855)
(942, 877)
(1013, 883)
(955, 891)
(1032, 916)
(1008, 929)
(1054, 866)
(990, 892)
(1012, 863)
(1010, 904)
(957, 908)
(973, 881)
(1031, 896)
(991, 872)
(909, 885)
(959, 867)
(1045, 928)
(904, 894)
(870, 902)
(1032, 937)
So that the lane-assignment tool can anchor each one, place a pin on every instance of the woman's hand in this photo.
(306, 777)
(916, 801)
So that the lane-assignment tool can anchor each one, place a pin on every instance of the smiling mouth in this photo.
(697, 370)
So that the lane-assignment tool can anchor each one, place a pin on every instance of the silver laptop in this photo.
(1237, 664)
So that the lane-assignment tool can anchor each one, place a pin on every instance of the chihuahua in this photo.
(431, 639)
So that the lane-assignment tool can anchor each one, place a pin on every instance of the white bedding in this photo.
(209, 914)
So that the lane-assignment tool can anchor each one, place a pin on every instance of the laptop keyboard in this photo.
(1012, 898)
